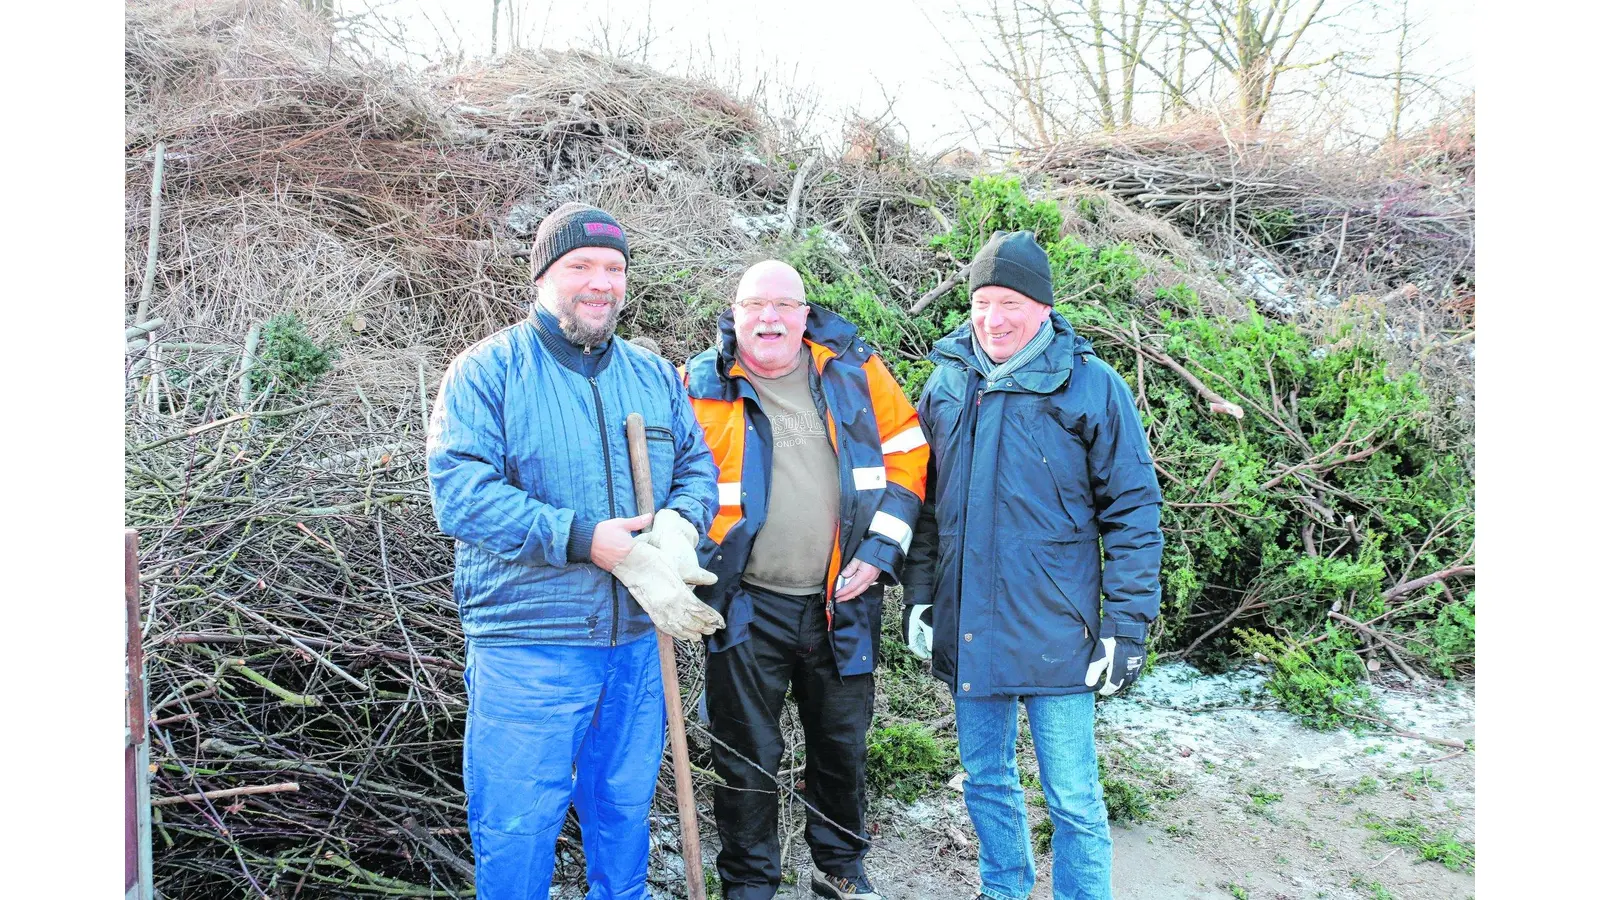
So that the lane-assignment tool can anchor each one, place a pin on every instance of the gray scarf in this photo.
(1035, 346)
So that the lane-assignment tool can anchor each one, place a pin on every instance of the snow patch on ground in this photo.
(1198, 722)
(1273, 292)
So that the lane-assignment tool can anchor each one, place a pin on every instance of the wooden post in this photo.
(683, 779)
(139, 882)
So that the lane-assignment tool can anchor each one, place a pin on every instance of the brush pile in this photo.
(1306, 232)
(330, 232)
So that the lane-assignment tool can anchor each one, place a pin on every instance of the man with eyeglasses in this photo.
(821, 465)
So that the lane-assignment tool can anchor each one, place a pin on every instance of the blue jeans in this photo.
(536, 713)
(1063, 741)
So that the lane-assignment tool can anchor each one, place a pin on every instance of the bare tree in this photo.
(1175, 65)
(1009, 51)
(1395, 58)
(1080, 26)
(1399, 70)
(1254, 42)
(494, 30)
(1062, 63)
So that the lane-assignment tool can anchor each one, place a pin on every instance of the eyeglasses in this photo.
(755, 305)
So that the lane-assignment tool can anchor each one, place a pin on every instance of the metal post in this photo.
(139, 882)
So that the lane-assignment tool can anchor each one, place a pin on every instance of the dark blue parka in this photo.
(1030, 476)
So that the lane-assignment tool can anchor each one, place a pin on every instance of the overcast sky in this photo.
(861, 55)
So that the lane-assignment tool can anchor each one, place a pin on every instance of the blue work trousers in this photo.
(552, 725)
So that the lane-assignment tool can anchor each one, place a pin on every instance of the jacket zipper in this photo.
(961, 573)
(611, 498)
(820, 401)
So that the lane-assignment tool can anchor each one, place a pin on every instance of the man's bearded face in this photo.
(585, 290)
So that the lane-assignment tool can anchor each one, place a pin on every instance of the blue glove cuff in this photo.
(1124, 628)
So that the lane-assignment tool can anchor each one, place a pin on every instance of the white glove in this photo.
(672, 534)
(919, 630)
(1118, 662)
(653, 580)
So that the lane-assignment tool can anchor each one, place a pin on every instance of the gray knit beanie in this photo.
(570, 226)
(1013, 259)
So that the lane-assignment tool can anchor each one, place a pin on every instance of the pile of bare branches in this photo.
(1354, 222)
(1318, 236)
(305, 659)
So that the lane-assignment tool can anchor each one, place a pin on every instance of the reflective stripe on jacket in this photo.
(883, 457)
(1042, 498)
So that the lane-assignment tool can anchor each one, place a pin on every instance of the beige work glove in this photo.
(672, 534)
(652, 578)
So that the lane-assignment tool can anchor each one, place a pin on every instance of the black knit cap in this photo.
(1013, 259)
(570, 226)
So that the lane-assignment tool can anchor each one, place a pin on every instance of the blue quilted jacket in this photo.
(524, 451)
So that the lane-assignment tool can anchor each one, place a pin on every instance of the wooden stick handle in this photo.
(683, 780)
(644, 500)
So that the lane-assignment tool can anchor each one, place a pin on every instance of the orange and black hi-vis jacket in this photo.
(883, 467)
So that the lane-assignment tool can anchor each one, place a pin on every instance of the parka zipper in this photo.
(611, 498)
(961, 558)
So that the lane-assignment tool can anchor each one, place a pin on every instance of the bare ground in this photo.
(1246, 803)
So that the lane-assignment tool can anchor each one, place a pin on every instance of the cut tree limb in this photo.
(1217, 403)
(1394, 649)
(329, 664)
(218, 745)
(155, 234)
(422, 391)
(353, 649)
(251, 339)
(793, 220)
(1443, 742)
(1321, 467)
(201, 429)
(940, 289)
(227, 792)
(1400, 590)
(142, 328)
(422, 835)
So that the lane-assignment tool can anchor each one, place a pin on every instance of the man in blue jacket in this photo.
(528, 464)
(1034, 572)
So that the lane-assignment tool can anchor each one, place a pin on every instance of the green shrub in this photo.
(1448, 642)
(1322, 685)
(1125, 800)
(1273, 226)
(907, 760)
(287, 355)
(996, 203)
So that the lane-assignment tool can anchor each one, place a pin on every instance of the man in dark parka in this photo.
(1033, 575)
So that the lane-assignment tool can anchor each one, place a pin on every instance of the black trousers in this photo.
(745, 689)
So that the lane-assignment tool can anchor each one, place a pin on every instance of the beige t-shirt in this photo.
(791, 552)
